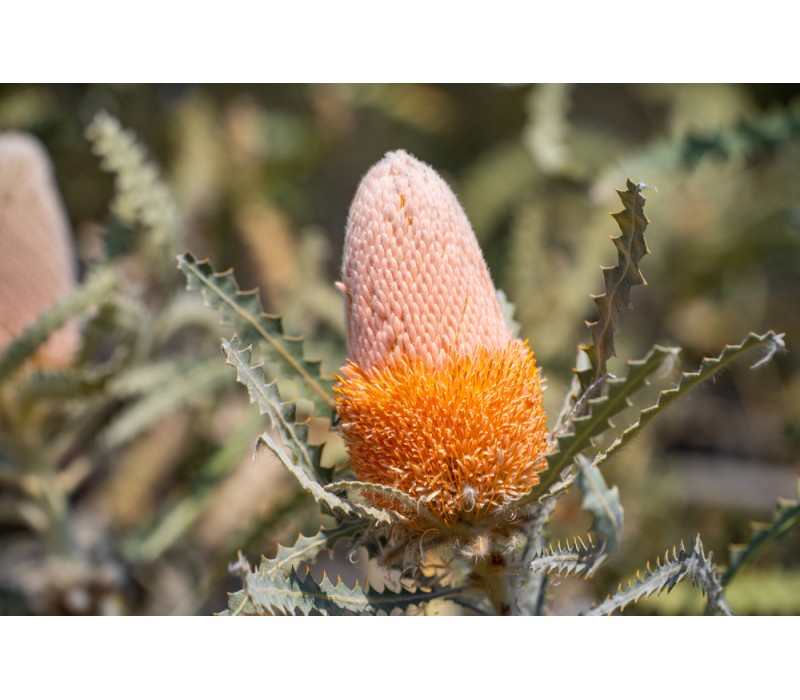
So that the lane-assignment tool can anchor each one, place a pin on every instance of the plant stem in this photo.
(492, 576)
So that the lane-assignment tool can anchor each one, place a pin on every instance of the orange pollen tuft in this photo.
(463, 437)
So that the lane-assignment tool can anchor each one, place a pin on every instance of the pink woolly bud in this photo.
(414, 278)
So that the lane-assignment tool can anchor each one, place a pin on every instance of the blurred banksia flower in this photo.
(437, 398)
(37, 264)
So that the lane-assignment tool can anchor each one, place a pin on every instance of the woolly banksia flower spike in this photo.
(37, 262)
(437, 398)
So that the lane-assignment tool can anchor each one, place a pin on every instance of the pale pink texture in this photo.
(37, 264)
(415, 282)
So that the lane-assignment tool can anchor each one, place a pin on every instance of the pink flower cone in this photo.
(37, 263)
(437, 399)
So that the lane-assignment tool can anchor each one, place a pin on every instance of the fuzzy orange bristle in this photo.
(464, 437)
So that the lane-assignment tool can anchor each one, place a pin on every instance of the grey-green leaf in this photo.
(684, 563)
(771, 341)
(269, 590)
(243, 311)
(602, 502)
(292, 448)
(582, 429)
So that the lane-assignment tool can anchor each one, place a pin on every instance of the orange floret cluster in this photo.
(463, 437)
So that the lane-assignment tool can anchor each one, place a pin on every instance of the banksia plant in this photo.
(452, 474)
(37, 258)
(437, 399)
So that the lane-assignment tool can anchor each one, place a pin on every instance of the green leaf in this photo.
(689, 380)
(692, 564)
(269, 590)
(303, 462)
(786, 516)
(583, 428)
(631, 248)
(244, 312)
(754, 592)
(602, 502)
(96, 287)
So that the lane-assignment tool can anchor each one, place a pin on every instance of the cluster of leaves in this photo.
(99, 440)
(515, 560)
(144, 441)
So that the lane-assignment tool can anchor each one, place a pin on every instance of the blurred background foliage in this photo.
(163, 489)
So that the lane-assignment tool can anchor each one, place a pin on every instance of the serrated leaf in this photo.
(269, 590)
(304, 460)
(571, 558)
(306, 548)
(409, 502)
(631, 248)
(786, 516)
(244, 312)
(601, 411)
(96, 287)
(602, 502)
(692, 564)
(689, 380)
(141, 198)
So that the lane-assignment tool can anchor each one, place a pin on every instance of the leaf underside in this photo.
(602, 502)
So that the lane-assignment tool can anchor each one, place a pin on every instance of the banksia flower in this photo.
(37, 265)
(437, 398)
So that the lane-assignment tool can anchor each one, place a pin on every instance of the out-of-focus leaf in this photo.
(162, 398)
(786, 516)
(98, 286)
(141, 196)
